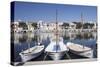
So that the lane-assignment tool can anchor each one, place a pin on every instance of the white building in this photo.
(95, 26)
(16, 27)
(72, 26)
(30, 27)
(49, 26)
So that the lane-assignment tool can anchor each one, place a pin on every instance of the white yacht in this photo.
(56, 51)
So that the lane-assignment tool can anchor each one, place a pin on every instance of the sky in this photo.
(27, 11)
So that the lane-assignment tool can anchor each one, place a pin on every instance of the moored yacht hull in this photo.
(56, 55)
(56, 51)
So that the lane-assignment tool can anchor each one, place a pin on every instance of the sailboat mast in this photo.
(82, 24)
(38, 37)
(28, 38)
(82, 20)
(56, 29)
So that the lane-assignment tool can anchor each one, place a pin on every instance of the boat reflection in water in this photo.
(51, 48)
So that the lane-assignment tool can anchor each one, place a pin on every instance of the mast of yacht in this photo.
(82, 24)
(38, 32)
(29, 39)
(57, 30)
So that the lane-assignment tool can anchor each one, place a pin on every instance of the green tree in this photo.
(23, 25)
(64, 25)
(88, 25)
(79, 25)
(34, 25)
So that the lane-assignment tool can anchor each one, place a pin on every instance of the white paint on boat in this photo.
(56, 54)
(34, 52)
(80, 49)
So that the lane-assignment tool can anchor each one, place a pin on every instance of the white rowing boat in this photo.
(31, 53)
(79, 49)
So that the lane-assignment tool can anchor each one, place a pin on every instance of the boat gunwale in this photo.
(22, 53)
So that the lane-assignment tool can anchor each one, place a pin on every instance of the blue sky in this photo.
(47, 12)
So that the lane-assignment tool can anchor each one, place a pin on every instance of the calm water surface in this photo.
(21, 41)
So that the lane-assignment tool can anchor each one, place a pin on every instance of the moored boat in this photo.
(56, 51)
(31, 53)
(79, 49)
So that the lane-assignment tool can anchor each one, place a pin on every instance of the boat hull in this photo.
(86, 52)
(56, 55)
(56, 51)
(29, 56)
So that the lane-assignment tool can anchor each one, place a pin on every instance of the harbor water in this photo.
(21, 41)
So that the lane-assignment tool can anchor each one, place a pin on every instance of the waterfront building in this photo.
(72, 26)
(16, 27)
(49, 27)
(30, 27)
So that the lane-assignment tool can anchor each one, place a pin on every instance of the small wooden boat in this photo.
(31, 53)
(79, 49)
